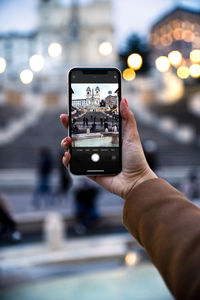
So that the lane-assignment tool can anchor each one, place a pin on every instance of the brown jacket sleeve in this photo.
(167, 225)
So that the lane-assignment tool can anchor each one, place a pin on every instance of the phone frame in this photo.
(95, 70)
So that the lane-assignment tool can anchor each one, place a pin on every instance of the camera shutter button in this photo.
(95, 157)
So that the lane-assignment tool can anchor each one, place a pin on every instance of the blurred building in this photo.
(78, 29)
(177, 30)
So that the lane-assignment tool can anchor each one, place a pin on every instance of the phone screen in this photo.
(95, 124)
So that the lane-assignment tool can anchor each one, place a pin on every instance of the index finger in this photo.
(64, 120)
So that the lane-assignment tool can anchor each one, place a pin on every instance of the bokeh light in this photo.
(175, 57)
(183, 72)
(131, 258)
(195, 70)
(36, 62)
(195, 55)
(129, 74)
(54, 49)
(26, 76)
(2, 64)
(162, 64)
(134, 61)
(105, 48)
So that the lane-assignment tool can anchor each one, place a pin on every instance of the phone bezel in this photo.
(96, 70)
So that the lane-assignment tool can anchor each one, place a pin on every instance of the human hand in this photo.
(135, 169)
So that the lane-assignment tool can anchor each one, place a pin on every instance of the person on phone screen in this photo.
(160, 217)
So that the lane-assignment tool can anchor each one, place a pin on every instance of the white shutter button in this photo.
(95, 157)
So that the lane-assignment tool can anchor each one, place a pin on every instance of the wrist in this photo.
(146, 175)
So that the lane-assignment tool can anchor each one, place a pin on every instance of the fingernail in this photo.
(126, 102)
(67, 139)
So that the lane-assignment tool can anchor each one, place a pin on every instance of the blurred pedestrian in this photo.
(43, 189)
(85, 206)
(93, 128)
(86, 120)
(105, 125)
(8, 226)
(65, 182)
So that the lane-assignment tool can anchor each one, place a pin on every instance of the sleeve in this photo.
(167, 225)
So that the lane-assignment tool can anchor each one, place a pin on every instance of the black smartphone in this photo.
(94, 121)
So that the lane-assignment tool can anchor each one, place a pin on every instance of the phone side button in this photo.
(95, 157)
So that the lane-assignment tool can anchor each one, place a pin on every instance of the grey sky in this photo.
(128, 15)
(80, 89)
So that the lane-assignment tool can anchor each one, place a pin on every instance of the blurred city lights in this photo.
(183, 72)
(26, 76)
(195, 55)
(173, 88)
(105, 48)
(2, 64)
(130, 258)
(175, 57)
(134, 61)
(195, 70)
(129, 74)
(54, 49)
(162, 64)
(36, 62)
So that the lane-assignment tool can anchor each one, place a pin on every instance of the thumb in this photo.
(130, 126)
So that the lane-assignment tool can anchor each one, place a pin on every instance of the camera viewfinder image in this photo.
(95, 115)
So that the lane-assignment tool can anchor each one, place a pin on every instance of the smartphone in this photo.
(94, 121)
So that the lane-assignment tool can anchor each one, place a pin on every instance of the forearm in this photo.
(167, 225)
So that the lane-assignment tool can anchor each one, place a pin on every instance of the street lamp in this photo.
(129, 74)
(134, 61)
(195, 70)
(36, 62)
(162, 64)
(131, 258)
(2, 64)
(54, 49)
(105, 48)
(26, 76)
(183, 72)
(175, 57)
(195, 55)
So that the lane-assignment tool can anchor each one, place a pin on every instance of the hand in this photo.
(135, 169)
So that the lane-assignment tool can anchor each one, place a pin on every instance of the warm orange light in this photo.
(176, 23)
(195, 70)
(175, 57)
(166, 40)
(2, 64)
(177, 33)
(195, 55)
(162, 64)
(129, 74)
(188, 36)
(134, 61)
(131, 258)
(183, 72)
